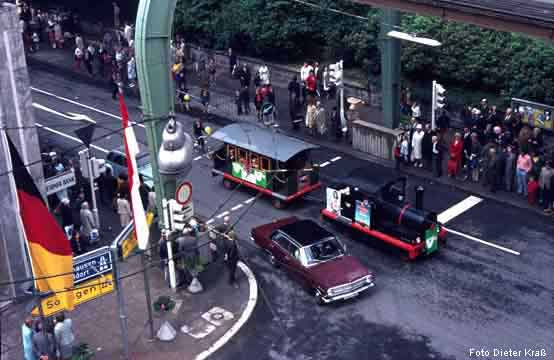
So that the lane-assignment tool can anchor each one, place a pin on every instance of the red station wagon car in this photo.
(315, 257)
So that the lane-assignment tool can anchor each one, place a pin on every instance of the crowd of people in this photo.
(72, 206)
(48, 341)
(111, 58)
(497, 150)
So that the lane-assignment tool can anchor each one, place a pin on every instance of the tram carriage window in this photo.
(265, 163)
(231, 152)
(254, 161)
(243, 156)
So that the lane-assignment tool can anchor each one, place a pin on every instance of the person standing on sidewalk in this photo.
(545, 182)
(198, 132)
(436, 149)
(509, 168)
(27, 336)
(456, 153)
(123, 209)
(79, 41)
(232, 60)
(89, 228)
(78, 58)
(245, 99)
(43, 343)
(231, 257)
(89, 58)
(64, 336)
(417, 146)
(58, 35)
(523, 167)
(115, 80)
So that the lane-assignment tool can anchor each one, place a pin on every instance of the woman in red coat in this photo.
(456, 150)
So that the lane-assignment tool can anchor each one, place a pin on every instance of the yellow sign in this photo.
(129, 244)
(85, 292)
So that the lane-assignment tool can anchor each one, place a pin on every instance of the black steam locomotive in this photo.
(382, 211)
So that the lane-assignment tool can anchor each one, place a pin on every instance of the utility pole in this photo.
(89, 168)
(390, 68)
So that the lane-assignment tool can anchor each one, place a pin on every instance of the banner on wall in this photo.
(534, 114)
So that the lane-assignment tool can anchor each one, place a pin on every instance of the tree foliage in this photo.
(499, 62)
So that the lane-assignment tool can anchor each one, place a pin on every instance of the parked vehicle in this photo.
(314, 257)
(376, 206)
(264, 160)
(117, 161)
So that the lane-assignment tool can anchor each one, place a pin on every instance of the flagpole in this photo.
(147, 294)
(120, 303)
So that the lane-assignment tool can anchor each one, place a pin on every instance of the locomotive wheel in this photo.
(228, 184)
(278, 204)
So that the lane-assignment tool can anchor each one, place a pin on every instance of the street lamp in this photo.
(413, 38)
(174, 159)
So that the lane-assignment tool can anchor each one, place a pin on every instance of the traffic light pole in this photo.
(434, 106)
(93, 192)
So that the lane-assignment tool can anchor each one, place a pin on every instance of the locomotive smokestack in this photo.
(419, 191)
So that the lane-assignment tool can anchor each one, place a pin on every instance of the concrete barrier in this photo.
(374, 139)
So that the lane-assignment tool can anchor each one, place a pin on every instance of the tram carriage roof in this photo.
(368, 181)
(263, 141)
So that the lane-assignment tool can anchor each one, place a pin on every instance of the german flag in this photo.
(49, 248)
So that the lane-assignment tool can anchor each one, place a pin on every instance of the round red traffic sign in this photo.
(183, 193)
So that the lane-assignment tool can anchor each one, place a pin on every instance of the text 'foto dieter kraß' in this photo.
(508, 353)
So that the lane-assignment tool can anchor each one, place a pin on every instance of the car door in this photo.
(278, 246)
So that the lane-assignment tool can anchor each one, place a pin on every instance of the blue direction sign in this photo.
(92, 264)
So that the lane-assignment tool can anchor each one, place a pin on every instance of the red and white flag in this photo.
(131, 151)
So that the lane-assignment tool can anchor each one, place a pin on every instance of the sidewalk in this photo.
(212, 317)
(223, 112)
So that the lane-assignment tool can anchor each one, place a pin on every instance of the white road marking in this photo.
(483, 241)
(197, 158)
(458, 209)
(70, 137)
(324, 164)
(225, 213)
(69, 116)
(250, 305)
(336, 158)
(209, 221)
(249, 200)
(80, 104)
(234, 208)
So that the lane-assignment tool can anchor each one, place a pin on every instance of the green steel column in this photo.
(390, 65)
(152, 42)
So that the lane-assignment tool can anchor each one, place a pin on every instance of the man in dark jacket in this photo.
(231, 257)
(144, 190)
(427, 147)
(232, 60)
(109, 183)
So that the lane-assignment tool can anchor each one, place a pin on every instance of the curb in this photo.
(252, 300)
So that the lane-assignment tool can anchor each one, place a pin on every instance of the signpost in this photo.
(183, 193)
(60, 182)
(92, 264)
(83, 293)
(93, 272)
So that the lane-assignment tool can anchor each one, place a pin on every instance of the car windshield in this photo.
(324, 250)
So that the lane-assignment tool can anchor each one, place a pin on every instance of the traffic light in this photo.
(179, 215)
(440, 96)
(98, 165)
(336, 73)
(438, 102)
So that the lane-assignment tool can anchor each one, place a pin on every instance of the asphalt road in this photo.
(469, 295)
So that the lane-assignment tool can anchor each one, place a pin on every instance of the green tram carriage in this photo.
(265, 160)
